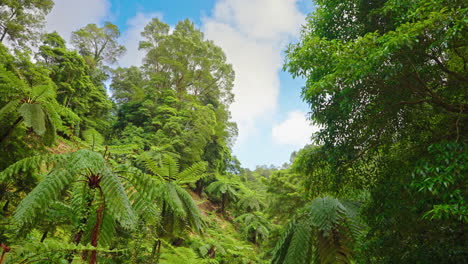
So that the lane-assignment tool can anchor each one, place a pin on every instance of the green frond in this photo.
(93, 138)
(192, 173)
(33, 117)
(30, 164)
(140, 189)
(50, 132)
(223, 186)
(122, 149)
(154, 167)
(117, 200)
(282, 246)
(325, 234)
(194, 217)
(176, 255)
(172, 166)
(250, 203)
(171, 198)
(9, 108)
(300, 247)
(42, 92)
(53, 250)
(42, 196)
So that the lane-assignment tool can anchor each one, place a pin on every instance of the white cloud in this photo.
(253, 33)
(295, 130)
(70, 15)
(131, 38)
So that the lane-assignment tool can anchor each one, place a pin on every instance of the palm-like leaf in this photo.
(325, 234)
(254, 226)
(70, 168)
(179, 211)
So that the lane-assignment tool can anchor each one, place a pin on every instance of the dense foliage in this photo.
(142, 171)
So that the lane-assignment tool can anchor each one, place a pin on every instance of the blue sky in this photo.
(253, 33)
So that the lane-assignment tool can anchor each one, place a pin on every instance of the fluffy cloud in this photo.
(70, 15)
(296, 130)
(253, 33)
(131, 38)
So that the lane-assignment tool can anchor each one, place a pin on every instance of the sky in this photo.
(268, 110)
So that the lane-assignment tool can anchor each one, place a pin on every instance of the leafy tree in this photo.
(76, 89)
(285, 193)
(385, 81)
(20, 20)
(99, 44)
(325, 233)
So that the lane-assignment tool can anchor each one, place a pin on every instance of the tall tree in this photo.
(98, 44)
(75, 87)
(20, 20)
(386, 80)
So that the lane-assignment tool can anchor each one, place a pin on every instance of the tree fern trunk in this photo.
(44, 235)
(158, 253)
(199, 187)
(79, 235)
(5, 208)
(7, 133)
(95, 234)
(153, 251)
(223, 203)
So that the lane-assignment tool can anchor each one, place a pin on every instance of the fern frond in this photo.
(33, 117)
(154, 167)
(172, 166)
(172, 199)
(50, 132)
(122, 149)
(194, 217)
(93, 138)
(9, 108)
(42, 92)
(116, 199)
(300, 248)
(192, 173)
(30, 164)
(52, 250)
(42, 196)
(326, 234)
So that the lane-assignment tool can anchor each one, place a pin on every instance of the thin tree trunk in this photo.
(212, 252)
(95, 234)
(79, 235)
(158, 254)
(154, 249)
(6, 249)
(44, 236)
(5, 207)
(199, 188)
(7, 133)
(223, 203)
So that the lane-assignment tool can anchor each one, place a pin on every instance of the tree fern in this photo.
(178, 210)
(254, 226)
(324, 234)
(250, 202)
(225, 190)
(35, 107)
(86, 171)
